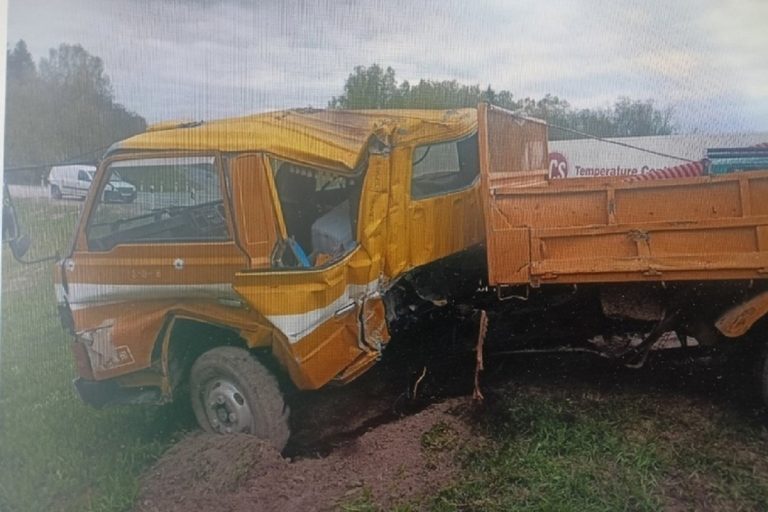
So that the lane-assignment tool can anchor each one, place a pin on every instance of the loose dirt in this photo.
(352, 447)
(396, 462)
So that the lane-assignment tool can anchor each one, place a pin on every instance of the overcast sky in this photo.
(199, 59)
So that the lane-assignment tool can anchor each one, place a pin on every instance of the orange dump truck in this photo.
(297, 242)
(685, 256)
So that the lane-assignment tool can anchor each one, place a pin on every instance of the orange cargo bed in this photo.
(611, 229)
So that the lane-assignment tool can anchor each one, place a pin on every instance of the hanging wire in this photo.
(609, 141)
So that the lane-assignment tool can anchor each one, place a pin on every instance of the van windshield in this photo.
(113, 177)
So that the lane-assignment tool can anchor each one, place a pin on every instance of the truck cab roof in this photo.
(333, 139)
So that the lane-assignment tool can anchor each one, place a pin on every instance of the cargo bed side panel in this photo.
(609, 229)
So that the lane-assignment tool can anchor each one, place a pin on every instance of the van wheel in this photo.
(232, 392)
(55, 192)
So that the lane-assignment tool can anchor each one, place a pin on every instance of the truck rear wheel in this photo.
(232, 392)
(55, 192)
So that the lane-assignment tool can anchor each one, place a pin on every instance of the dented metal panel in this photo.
(738, 320)
(120, 337)
(323, 322)
(334, 139)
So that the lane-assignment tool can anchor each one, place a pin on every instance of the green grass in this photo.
(50, 224)
(547, 454)
(563, 449)
(553, 446)
(57, 454)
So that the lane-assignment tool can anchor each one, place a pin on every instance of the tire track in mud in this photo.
(363, 440)
(396, 462)
(329, 419)
(324, 420)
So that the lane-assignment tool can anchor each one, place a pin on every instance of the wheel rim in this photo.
(226, 408)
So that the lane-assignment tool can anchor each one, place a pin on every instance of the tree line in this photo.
(61, 110)
(373, 87)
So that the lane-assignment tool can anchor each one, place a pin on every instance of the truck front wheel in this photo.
(232, 392)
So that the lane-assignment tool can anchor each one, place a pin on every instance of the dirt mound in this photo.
(393, 463)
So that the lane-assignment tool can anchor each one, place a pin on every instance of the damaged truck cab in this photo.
(273, 237)
(293, 243)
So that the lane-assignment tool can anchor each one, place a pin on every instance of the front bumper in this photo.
(101, 393)
(119, 196)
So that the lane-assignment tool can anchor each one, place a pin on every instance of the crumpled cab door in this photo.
(321, 290)
(318, 316)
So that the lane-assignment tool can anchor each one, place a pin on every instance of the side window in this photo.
(319, 211)
(158, 200)
(445, 167)
(83, 176)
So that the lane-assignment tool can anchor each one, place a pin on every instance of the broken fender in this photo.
(739, 319)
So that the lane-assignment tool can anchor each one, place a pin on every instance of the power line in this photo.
(622, 144)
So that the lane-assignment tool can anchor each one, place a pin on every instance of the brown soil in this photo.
(396, 462)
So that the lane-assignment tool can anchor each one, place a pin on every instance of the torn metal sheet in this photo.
(103, 353)
(739, 319)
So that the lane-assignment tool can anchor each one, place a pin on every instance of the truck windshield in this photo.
(158, 200)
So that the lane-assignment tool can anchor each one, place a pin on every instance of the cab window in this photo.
(157, 200)
(444, 167)
(83, 176)
(319, 211)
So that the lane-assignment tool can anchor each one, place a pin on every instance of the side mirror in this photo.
(19, 246)
(18, 243)
(10, 224)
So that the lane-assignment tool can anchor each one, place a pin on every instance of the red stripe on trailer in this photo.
(689, 170)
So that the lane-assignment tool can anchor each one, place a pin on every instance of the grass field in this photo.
(579, 448)
(547, 442)
(56, 454)
(555, 439)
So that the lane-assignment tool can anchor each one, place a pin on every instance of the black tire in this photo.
(55, 192)
(229, 380)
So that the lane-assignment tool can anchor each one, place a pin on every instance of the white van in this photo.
(75, 180)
